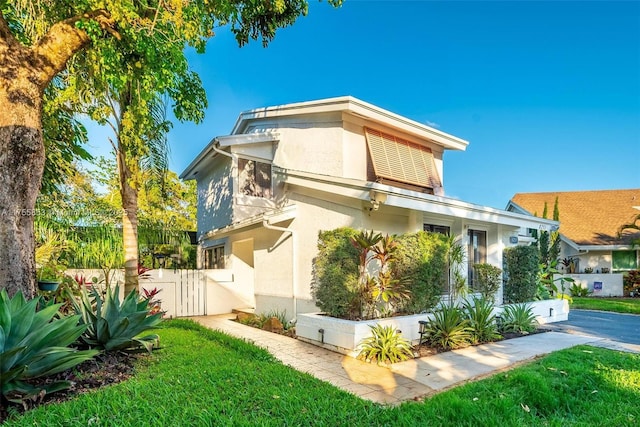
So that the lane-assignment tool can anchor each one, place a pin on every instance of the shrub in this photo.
(385, 345)
(482, 321)
(518, 318)
(335, 273)
(111, 325)
(631, 282)
(578, 291)
(521, 271)
(421, 261)
(32, 345)
(448, 329)
(488, 279)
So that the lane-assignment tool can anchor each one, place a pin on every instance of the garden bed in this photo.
(344, 336)
(105, 369)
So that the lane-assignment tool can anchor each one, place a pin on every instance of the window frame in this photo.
(472, 251)
(214, 258)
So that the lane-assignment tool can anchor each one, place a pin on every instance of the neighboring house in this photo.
(287, 172)
(590, 224)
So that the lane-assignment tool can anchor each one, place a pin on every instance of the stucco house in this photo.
(590, 223)
(286, 172)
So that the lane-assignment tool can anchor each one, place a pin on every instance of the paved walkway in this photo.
(409, 380)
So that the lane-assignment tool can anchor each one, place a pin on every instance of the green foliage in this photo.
(578, 291)
(548, 280)
(112, 325)
(521, 273)
(34, 345)
(518, 318)
(421, 260)
(558, 389)
(614, 304)
(385, 345)
(488, 279)
(449, 329)
(457, 257)
(482, 320)
(341, 283)
(335, 274)
(259, 320)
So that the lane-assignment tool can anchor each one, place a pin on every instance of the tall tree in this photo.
(54, 32)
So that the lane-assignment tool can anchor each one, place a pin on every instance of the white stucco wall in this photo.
(215, 196)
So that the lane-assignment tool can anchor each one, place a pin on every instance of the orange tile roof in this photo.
(588, 217)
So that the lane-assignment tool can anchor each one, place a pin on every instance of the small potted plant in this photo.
(605, 270)
(49, 271)
(50, 276)
(588, 270)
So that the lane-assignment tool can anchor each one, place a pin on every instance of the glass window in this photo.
(624, 260)
(214, 257)
(432, 228)
(477, 253)
(254, 178)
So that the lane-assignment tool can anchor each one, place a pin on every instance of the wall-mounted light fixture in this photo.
(376, 199)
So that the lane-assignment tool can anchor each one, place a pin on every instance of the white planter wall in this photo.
(344, 336)
(611, 283)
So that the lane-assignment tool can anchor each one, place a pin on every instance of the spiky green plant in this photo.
(112, 325)
(518, 318)
(32, 345)
(482, 321)
(448, 329)
(385, 345)
(577, 290)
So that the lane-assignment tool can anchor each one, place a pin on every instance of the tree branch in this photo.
(63, 40)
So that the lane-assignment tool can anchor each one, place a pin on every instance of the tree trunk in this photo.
(129, 223)
(21, 163)
(21, 166)
(25, 72)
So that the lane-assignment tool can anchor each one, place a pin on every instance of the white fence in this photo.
(186, 292)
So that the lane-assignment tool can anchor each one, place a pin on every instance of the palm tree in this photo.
(633, 227)
(141, 143)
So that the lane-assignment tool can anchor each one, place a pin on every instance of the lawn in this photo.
(204, 378)
(618, 305)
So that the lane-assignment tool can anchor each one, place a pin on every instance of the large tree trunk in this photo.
(25, 72)
(129, 223)
(21, 166)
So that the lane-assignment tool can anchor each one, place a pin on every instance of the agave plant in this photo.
(518, 318)
(32, 345)
(448, 329)
(482, 321)
(385, 345)
(112, 325)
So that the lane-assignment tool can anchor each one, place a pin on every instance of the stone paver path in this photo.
(409, 380)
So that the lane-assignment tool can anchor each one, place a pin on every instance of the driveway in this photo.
(623, 328)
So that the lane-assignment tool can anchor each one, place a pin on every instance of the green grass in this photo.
(204, 378)
(618, 305)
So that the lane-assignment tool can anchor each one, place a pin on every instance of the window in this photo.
(477, 253)
(254, 178)
(432, 228)
(624, 260)
(401, 161)
(214, 257)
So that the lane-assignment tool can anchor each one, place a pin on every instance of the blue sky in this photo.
(547, 93)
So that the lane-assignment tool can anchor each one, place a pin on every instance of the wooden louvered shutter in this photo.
(400, 160)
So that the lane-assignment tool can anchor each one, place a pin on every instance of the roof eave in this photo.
(407, 199)
(355, 107)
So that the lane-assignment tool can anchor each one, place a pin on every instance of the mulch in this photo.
(104, 370)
